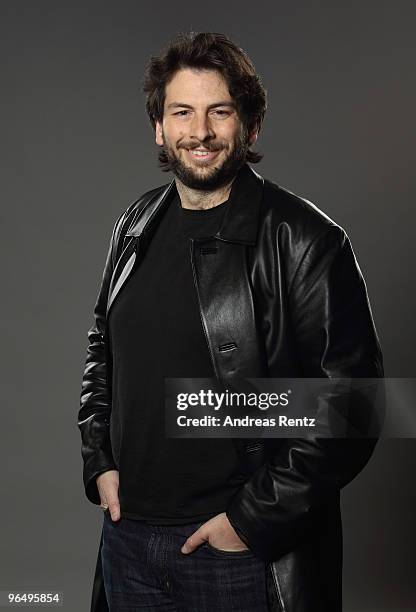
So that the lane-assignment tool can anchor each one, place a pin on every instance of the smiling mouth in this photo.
(202, 154)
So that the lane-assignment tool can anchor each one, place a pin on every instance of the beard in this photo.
(209, 177)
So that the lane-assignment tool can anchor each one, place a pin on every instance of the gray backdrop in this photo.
(77, 149)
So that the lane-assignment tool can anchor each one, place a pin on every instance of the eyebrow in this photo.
(214, 105)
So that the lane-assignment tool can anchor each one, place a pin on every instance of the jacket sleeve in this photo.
(336, 338)
(94, 413)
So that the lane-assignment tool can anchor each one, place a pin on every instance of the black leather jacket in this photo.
(280, 295)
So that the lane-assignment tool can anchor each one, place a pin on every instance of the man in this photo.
(218, 273)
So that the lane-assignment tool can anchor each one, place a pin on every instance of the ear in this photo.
(158, 133)
(253, 135)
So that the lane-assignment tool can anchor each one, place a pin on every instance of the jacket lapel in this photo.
(240, 220)
(239, 224)
(145, 217)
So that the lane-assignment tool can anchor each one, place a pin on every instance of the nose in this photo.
(201, 127)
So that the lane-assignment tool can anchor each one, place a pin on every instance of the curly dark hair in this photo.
(207, 50)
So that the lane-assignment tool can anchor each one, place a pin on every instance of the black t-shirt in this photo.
(156, 332)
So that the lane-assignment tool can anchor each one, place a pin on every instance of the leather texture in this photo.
(280, 295)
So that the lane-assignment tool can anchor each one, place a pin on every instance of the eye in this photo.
(181, 113)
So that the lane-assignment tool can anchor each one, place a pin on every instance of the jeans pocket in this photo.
(229, 553)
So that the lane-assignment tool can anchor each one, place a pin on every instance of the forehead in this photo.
(190, 84)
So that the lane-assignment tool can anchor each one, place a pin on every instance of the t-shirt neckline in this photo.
(206, 211)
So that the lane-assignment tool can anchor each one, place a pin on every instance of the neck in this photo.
(202, 200)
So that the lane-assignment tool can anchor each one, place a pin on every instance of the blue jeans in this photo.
(144, 569)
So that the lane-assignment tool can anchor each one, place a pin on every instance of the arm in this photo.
(94, 414)
(335, 338)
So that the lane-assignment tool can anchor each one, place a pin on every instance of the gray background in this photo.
(77, 149)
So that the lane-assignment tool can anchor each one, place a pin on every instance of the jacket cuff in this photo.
(248, 529)
(99, 463)
(267, 530)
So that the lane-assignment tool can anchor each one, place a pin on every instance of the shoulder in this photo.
(287, 211)
(298, 231)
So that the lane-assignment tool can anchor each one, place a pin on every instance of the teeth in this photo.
(200, 153)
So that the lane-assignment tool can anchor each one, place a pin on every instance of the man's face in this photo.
(200, 115)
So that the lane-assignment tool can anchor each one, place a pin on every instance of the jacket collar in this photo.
(240, 220)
